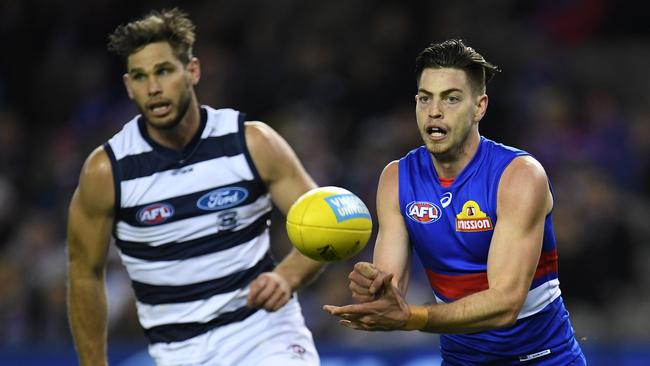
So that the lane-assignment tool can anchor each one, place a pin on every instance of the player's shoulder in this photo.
(524, 187)
(524, 178)
(97, 167)
(265, 139)
(391, 169)
(526, 168)
(258, 131)
(270, 153)
(390, 174)
(262, 140)
(96, 189)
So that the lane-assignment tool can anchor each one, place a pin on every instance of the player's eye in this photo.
(453, 99)
(423, 99)
(164, 71)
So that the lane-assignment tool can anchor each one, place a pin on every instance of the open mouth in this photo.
(159, 109)
(436, 132)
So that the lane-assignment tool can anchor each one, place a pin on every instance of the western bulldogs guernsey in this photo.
(192, 229)
(450, 229)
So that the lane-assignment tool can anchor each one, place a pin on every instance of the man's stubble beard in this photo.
(454, 151)
(183, 106)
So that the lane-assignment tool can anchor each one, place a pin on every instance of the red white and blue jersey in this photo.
(450, 229)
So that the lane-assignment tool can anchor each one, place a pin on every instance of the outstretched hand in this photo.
(269, 291)
(388, 312)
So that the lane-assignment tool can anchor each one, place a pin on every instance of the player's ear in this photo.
(194, 70)
(125, 80)
(480, 107)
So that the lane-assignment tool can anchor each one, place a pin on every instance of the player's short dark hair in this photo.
(172, 26)
(453, 53)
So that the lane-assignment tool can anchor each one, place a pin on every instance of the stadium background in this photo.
(336, 79)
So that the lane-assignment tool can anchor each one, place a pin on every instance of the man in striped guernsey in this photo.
(187, 192)
(478, 215)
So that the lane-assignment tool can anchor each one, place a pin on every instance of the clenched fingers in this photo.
(268, 291)
(367, 275)
(361, 294)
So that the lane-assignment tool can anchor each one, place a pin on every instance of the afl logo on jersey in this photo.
(423, 212)
(222, 198)
(155, 213)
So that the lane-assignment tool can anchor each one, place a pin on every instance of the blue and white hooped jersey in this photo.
(191, 226)
(451, 228)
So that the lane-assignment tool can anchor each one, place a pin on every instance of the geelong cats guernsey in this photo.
(191, 226)
(450, 229)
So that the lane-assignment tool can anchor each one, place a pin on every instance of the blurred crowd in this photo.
(335, 78)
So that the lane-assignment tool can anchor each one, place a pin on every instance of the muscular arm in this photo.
(392, 253)
(380, 286)
(523, 201)
(286, 180)
(89, 224)
(392, 249)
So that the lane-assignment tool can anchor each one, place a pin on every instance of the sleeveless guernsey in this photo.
(450, 229)
(191, 226)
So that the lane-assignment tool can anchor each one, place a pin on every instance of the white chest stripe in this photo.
(201, 311)
(198, 269)
(165, 184)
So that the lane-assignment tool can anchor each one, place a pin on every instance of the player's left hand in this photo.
(269, 291)
(388, 312)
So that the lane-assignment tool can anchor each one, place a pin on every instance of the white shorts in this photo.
(265, 338)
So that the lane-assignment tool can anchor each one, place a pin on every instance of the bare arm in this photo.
(523, 201)
(392, 253)
(286, 180)
(90, 220)
(380, 286)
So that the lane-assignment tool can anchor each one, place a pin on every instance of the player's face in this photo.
(447, 111)
(160, 85)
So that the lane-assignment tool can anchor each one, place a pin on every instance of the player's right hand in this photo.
(366, 282)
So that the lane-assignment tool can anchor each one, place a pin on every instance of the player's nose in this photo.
(435, 111)
(154, 87)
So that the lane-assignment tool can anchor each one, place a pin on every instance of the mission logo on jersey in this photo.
(155, 213)
(471, 218)
(423, 212)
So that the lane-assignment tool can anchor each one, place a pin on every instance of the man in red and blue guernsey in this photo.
(478, 215)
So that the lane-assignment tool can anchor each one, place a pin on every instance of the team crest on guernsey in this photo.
(471, 218)
(423, 212)
(155, 213)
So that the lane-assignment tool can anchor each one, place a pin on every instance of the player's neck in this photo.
(179, 136)
(450, 165)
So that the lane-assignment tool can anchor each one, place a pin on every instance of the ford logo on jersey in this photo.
(155, 213)
(222, 198)
(423, 212)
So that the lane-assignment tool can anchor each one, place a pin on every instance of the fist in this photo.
(366, 282)
(268, 291)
